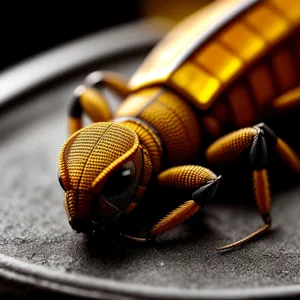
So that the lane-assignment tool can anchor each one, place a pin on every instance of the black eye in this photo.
(59, 179)
(120, 180)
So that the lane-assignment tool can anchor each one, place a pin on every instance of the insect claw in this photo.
(246, 239)
(137, 239)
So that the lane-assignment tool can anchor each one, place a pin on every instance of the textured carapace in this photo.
(197, 101)
(89, 158)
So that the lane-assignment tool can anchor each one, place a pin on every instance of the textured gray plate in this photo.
(41, 254)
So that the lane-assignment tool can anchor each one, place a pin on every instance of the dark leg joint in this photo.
(75, 109)
(269, 134)
(267, 219)
(206, 192)
(259, 152)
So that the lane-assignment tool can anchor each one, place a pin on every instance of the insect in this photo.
(214, 77)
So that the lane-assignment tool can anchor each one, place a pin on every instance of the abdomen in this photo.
(230, 59)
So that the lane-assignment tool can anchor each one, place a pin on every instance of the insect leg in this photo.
(286, 153)
(287, 101)
(105, 79)
(201, 182)
(136, 239)
(228, 149)
(88, 98)
(91, 102)
(257, 140)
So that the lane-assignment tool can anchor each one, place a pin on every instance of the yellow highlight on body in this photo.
(243, 41)
(265, 20)
(290, 8)
(197, 83)
(219, 61)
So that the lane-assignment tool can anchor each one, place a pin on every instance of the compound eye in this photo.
(120, 180)
(60, 180)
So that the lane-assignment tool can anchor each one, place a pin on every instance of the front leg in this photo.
(258, 141)
(202, 184)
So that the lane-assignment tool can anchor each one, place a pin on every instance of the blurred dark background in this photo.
(27, 29)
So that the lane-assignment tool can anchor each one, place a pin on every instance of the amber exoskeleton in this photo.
(227, 66)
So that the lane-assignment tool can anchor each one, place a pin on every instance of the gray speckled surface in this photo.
(34, 228)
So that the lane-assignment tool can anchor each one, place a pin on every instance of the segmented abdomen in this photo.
(247, 64)
(238, 68)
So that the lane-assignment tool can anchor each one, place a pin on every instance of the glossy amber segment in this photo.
(284, 69)
(221, 110)
(297, 44)
(200, 85)
(241, 106)
(213, 126)
(242, 40)
(267, 22)
(290, 8)
(219, 61)
(260, 79)
(181, 42)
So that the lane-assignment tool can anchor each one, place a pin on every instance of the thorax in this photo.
(168, 116)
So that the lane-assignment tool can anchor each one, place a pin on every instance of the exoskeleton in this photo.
(217, 74)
